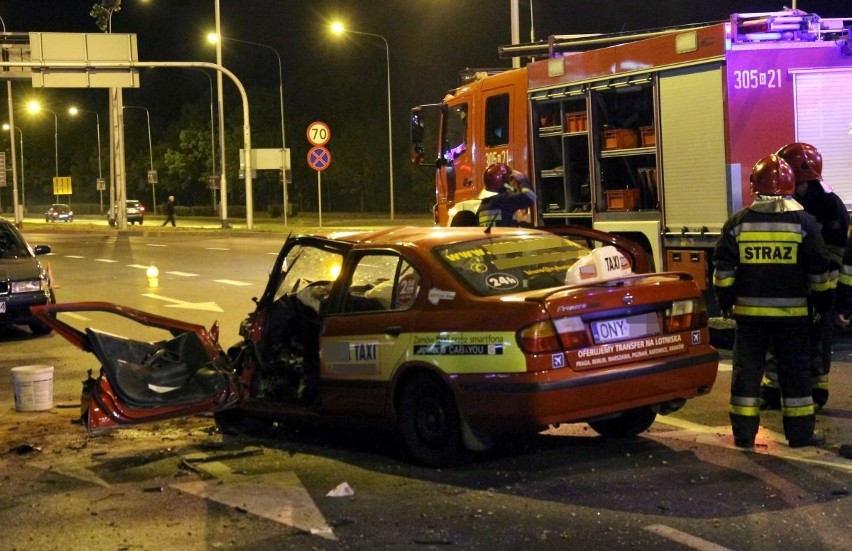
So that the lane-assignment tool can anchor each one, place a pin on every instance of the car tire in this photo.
(629, 423)
(429, 421)
(39, 329)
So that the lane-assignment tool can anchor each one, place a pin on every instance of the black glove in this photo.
(726, 299)
(821, 302)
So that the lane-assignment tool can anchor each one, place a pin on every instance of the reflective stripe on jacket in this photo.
(771, 257)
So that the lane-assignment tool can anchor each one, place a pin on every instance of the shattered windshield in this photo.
(305, 265)
(500, 265)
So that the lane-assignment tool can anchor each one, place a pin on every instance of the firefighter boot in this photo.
(816, 439)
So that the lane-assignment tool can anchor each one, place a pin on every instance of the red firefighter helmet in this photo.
(772, 175)
(496, 175)
(805, 160)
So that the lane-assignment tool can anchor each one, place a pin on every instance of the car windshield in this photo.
(501, 265)
(11, 244)
(305, 265)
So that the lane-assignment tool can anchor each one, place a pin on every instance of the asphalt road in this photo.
(184, 485)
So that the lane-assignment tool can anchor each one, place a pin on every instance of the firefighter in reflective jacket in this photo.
(769, 261)
(506, 192)
(818, 199)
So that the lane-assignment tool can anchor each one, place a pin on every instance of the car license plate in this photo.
(622, 329)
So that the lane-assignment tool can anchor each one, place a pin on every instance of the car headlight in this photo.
(29, 286)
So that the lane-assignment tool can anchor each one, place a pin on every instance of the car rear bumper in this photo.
(534, 400)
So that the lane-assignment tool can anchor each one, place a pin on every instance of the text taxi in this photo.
(451, 335)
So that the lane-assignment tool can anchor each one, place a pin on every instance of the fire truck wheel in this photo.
(429, 421)
(629, 423)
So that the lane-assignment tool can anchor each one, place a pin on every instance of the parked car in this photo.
(135, 212)
(451, 335)
(59, 212)
(24, 282)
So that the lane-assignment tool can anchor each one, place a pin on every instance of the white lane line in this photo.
(183, 274)
(217, 248)
(767, 443)
(231, 282)
(693, 542)
(155, 245)
(139, 266)
(73, 256)
(107, 260)
(177, 303)
(726, 365)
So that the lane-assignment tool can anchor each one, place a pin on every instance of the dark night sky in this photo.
(430, 41)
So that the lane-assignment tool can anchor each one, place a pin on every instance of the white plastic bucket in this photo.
(33, 386)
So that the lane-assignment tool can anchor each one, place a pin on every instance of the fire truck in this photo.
(650, 135)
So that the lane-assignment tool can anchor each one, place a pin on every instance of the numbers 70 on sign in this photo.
(318, 133)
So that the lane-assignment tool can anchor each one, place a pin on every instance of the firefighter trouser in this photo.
(791, 345)
(821, 334)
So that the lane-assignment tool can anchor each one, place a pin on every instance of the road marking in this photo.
(726, 365)
(693, 542)
(74, 256)
(279, 497)
(177, 303)
(155, 245)
(217, 248)
(139, 266)
(231, 282)
(183, 274)
(107, 260)
(767, 443)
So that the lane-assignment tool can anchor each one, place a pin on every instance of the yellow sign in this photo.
(62, 185)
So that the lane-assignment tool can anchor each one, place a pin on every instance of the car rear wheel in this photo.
(429, 421)
(629, 423)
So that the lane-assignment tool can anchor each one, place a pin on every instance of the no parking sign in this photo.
(319, 158)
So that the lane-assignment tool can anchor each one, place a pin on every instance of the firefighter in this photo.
(769, 260)
(506, 192)
(818, 199)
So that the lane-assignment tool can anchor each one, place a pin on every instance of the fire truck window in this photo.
(455, 135)
(497, 120)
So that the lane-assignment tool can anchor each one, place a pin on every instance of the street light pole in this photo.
(150, 155)
(73, 111)
(212, 132)
(223, 185)
(219, 38)
(339, 28)
(35, 107)
(6, 128)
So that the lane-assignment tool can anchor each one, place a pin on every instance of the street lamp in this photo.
(35, 107)
(151, 175)
(338, 28)
(6, 128)
(215, 39)
(73, 111)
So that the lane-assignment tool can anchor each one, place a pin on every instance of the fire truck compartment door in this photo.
(695, 180)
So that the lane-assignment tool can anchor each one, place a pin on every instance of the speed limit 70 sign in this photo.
(318, 133)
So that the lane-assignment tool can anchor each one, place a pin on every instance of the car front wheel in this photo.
(429, 421)
(629, 423)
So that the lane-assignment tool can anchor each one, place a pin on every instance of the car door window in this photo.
(381, 282)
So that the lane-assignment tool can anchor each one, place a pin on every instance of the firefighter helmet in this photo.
(805, 160)
(772, 175)
(496, 175)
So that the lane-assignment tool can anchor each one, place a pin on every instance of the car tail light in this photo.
(538, 338)
(686, 314)
(572, 333)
